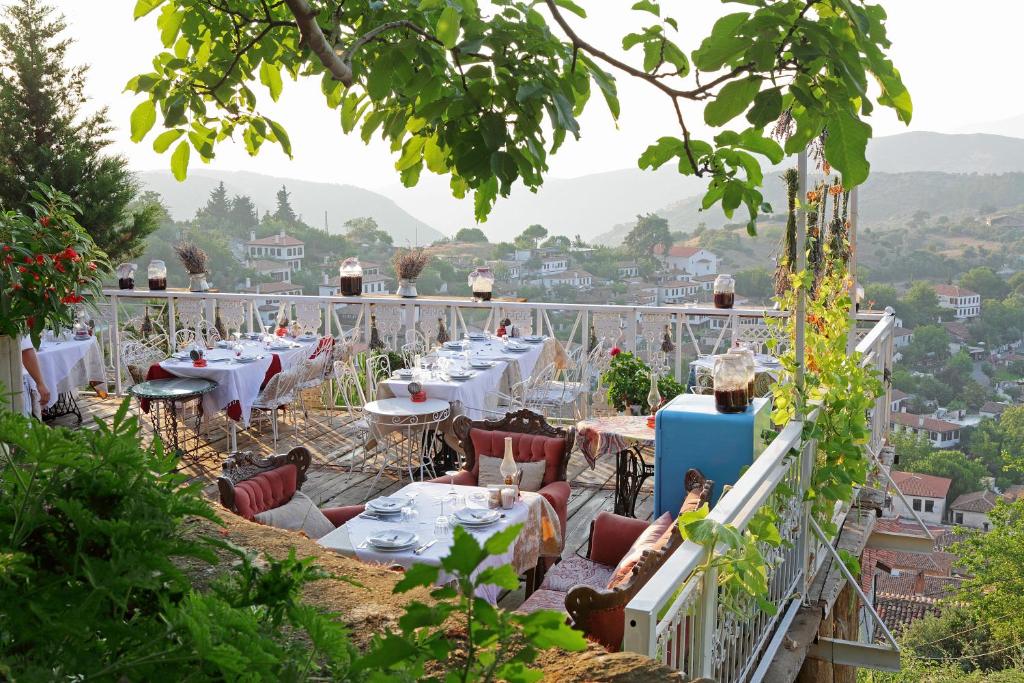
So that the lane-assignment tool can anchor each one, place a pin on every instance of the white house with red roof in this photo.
(926, 494)
(693, 260)
(941, 433)
(281, 247)
(964, 303)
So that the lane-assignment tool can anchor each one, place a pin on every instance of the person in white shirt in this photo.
(31, 363)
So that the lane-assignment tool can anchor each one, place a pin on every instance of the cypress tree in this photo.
(46, 137)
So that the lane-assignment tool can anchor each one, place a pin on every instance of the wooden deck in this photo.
(330, 482)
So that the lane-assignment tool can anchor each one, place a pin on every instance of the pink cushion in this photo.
(525, 448)
(543, 599)
(576, 571)
(266, 490)
(653, 538)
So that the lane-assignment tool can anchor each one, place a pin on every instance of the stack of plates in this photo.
(474, 517)
(280, 347)
(482, 364)
(478, 336)
(247, 359)
(404, 373)
(460, 375)
(453, 345)
(387, 505)
(516, 347)
(393, 541)
(533, 339)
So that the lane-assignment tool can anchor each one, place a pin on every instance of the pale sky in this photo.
(958, 59)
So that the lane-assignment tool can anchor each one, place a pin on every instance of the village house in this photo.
(964, 303)
(576, 278)
(940, 433)
(692, 260)
(926, 494)
(281, 247)
(971, 509)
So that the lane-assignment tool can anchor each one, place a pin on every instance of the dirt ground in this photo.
(371, 606)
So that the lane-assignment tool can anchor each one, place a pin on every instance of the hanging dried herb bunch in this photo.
(192, 257)
(442, 332)
(838, 230)
(666, 341)
(817, 201)
(409, 263)
(787, 257)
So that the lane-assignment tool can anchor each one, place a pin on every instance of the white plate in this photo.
(461, 377)
(533, 339)
(281, 348)
(477, 336)
(393, 540)
(476, 516)
(246, 359)
(482, 365)
(387, 504)
(517, 349)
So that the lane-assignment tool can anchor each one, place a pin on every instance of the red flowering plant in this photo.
(48, 263)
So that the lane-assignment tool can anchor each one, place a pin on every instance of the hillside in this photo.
(595, 205)
(309, 199)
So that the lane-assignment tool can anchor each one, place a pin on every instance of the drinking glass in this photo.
(451, 479)
(441, 527)
(410, 514)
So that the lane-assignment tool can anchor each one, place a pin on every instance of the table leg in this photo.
(65, 405)
(631, 471)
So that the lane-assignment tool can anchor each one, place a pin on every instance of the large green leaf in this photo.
(448, 27)
(767, 107)
(732, 100)
(179, 160)
(846, 147)
(660, 152)
(164, 140)
(143, 118)
(723, 44)
(144, 7)
(270, 76)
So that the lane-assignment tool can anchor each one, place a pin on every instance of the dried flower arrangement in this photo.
(192, 257)
(409, 263)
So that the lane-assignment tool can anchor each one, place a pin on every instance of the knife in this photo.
(422, 548)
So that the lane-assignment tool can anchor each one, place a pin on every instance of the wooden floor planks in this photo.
(331, 484)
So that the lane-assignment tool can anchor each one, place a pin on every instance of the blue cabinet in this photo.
(689, 432)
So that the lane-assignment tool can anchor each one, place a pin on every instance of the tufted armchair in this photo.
(249, 486)
(533, 439)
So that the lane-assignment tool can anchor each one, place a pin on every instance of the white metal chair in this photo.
(278, 393)
(312, 374)
(137, 356)
(378, 369)
(354, 429)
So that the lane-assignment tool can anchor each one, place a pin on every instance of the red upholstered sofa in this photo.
(587, 588)
(532, 439)
(249, 485)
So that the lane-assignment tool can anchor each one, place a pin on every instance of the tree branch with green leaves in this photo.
(486, 95)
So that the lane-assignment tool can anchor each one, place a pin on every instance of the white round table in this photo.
(403, 415)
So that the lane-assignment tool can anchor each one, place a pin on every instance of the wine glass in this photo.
(451, 478)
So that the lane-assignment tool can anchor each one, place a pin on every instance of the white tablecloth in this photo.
(523, 553)
(478, 394)
(68, 365)
(236, 381)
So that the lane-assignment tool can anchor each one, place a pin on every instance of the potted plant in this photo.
(194, 260)
(409, 263)
(629, 382)
(48, 262)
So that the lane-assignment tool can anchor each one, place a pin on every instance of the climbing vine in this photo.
(835, 382)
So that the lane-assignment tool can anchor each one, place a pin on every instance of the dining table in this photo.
(627, 438)
(476, 395)
(66, 364)
(410, 418)
(239, 379)
(541, 535)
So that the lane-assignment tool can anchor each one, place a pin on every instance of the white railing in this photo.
(694, 330)
(678, 617)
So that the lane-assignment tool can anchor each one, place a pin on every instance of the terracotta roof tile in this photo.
(918, 421)
(927, 485)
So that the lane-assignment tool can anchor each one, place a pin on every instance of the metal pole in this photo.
(801, 265)
(115, 337)
(851, 340)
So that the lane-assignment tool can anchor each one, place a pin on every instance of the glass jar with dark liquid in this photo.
(157, 275)
(481, 281)
(730, 384)
(749, 366)
(725, 291)
(126, 276)
(350, 274)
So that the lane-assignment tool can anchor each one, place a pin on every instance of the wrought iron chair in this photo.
(278, 393)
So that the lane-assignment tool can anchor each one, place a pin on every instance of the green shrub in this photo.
(94, 583)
